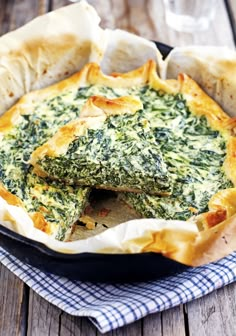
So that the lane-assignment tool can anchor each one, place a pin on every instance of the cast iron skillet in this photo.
(91, 266)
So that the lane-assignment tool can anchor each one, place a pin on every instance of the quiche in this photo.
(111, 145)
(190, 136)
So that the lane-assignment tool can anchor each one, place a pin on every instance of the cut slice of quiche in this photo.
(53, 206)
(111, 146)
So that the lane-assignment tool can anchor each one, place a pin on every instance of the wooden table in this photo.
(23, 312)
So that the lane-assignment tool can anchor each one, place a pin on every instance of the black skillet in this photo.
(91, 266)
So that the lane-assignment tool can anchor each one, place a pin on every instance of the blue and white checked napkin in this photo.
(112, 306)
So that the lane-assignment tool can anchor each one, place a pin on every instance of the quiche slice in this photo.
(53, 206)
(110, 146)
(194, 135)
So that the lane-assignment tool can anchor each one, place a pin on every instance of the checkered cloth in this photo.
(112, 306)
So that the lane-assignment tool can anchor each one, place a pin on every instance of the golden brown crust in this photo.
(88, 221)
(213, 68)
(102, 106)
(169, 86)
(224, 199)
(197, 100)
(27, 102)
(37, 217)
(90, 74)
(9, 119)
(209, 219)
(222, 206)
(201, 104)
(9, 197)
(171, 243)
(212, 244)
(136, 77)
(191, 248)
(230, 161)
(40, 222)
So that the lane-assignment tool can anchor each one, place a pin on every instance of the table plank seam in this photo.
(186, 320)
(25, 310)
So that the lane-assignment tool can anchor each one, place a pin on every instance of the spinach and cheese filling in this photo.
(120, 153)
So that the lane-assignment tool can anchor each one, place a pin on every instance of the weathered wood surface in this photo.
(23, 312)
(13, 304)
(146, 18)
(214, 314)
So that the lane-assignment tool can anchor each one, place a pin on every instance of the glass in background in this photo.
(189, 15)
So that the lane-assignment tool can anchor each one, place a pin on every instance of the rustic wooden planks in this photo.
(13, 293)
(147, 19)
(14, 14)
(72, 325)
(173, 322)
(13, 304)
(43, 318)
(152, 325)
(214, 314)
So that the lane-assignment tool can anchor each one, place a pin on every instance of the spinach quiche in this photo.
(191, 141)
(111, 145)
